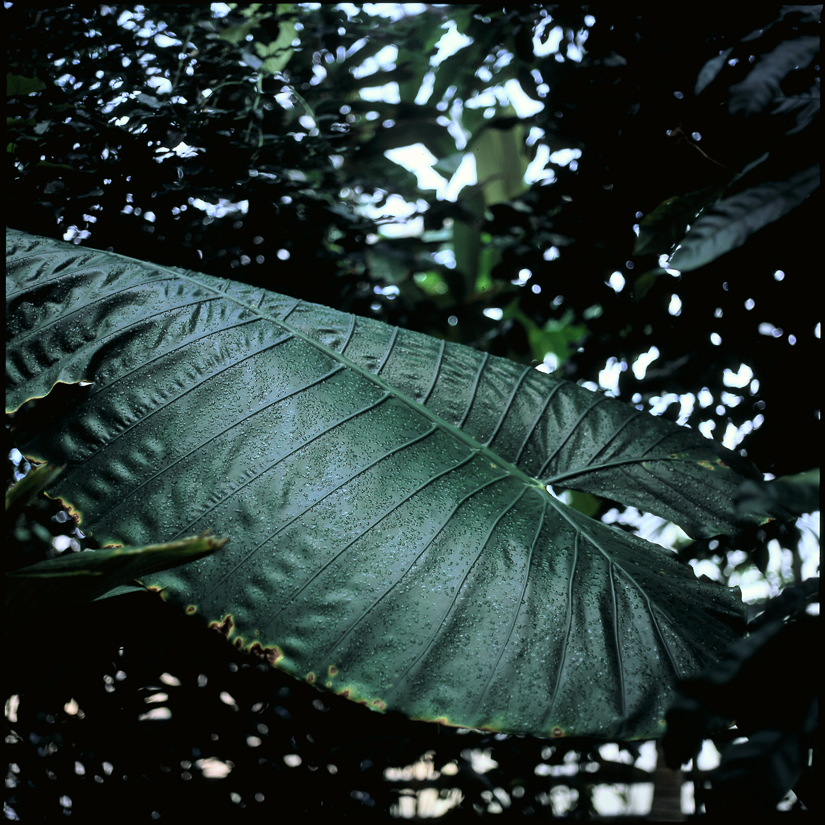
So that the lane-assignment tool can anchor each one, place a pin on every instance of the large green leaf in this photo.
(391, 535)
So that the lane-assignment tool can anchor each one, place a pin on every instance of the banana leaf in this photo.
(392, 536)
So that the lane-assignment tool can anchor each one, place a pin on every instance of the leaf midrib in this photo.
(475, 446)
(417, 406)
(414, 405)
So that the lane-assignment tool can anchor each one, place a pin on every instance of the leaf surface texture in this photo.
(391, 535)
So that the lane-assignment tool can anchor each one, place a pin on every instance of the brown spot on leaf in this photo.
(224, 627)
(558, 733)
(268, 654)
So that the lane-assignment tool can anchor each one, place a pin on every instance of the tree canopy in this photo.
(283, 149)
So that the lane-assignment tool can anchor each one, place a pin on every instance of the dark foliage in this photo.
(669, 119)
(779, 718)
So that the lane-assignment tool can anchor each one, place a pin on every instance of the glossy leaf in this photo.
(666, 224)
(800, 110)
(710, 71)
(391, 535)
(733, 220)
(786, 496)
(762, 85)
